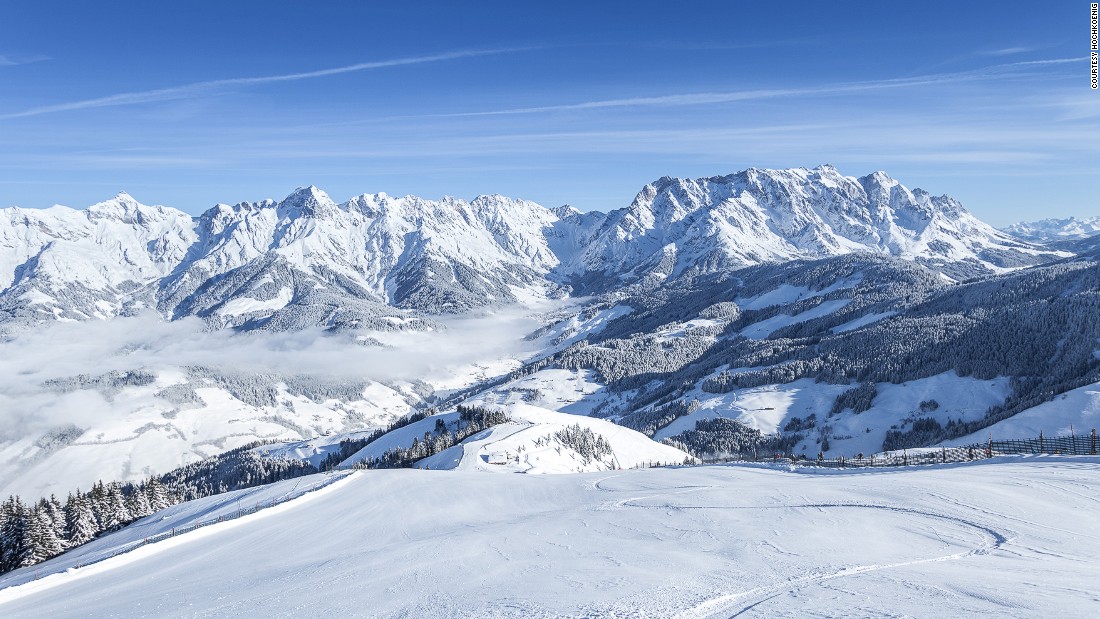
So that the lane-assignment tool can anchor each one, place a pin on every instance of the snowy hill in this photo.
(543, 441)
(689, 542)
(1074, 412)
(533, 440)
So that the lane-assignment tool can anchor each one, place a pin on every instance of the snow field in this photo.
(568, 391)
(1010, 538)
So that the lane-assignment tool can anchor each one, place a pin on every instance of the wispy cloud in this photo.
(720, 46)
(1007, 51)
(189, 90)
(751, 95)
(10, 60)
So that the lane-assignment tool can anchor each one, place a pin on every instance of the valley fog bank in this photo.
(33, 361)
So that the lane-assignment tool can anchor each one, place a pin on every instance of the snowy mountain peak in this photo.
(368, 204)
(125, 209)
(677, 225)
(879, 178)
(565, 211)
(307, 202)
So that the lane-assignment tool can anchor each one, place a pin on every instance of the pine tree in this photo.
(13, 534)
(138, 504)
(57, 519)
(157, 495)
(42, 542)
(115, 514)
(98, 501)
(80, 520)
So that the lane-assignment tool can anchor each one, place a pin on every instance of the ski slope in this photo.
(1012, 537)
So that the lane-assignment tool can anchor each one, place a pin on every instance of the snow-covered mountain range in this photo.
(308, 261)
(677, 226)
(303, 261)
(1054, 229)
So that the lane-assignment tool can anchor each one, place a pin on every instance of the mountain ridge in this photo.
(378, 255)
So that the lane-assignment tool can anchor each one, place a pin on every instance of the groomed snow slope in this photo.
(1008, 538)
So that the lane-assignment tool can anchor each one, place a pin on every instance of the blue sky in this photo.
(189, 104)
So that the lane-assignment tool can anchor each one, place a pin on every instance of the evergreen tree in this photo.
(57, 519)
(13, 534)
(80, 519)
(97, 498)
(41, 540)
(138, 504)
(157, 495)
(115, 514)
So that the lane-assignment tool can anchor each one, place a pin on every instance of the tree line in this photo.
(34, 532)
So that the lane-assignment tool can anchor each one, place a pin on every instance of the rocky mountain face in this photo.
(308, 261)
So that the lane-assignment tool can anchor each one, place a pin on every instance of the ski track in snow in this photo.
(740, 602)
(736, 602)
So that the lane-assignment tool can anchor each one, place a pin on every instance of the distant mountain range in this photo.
(308, 261)
(1048, 230)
